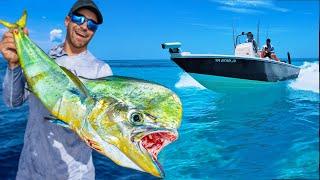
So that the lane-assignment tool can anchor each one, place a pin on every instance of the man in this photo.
(51, 151)
(268, 50)
(251, 39)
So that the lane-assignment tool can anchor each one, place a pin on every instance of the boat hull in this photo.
(237, 67)
(226, 84)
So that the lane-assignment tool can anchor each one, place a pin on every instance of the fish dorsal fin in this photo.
(76, 81)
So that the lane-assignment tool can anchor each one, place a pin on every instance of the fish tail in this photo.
(21, 23)
(23, 20)
(8, 25)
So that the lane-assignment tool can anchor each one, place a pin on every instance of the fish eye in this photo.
(136, 118)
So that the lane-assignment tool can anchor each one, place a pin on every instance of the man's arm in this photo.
(272, 49)
(14, 93)
(255, 46)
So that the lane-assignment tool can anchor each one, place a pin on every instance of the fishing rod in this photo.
(258, 33)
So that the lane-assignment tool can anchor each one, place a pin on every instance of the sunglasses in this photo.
(80, 19)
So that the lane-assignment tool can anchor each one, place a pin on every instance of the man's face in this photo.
(80, 35)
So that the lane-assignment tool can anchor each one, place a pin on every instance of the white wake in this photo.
(308, 79)
(186, 81)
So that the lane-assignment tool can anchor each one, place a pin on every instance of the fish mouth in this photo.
(154, 142)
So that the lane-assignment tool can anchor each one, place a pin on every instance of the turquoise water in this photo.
(265, 134)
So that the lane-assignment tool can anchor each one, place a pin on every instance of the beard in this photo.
(78, 38)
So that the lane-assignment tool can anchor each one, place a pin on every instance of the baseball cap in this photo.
(87, 4)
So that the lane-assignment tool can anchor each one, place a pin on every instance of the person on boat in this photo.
(251, 39)
(51, 151)
(268, 51)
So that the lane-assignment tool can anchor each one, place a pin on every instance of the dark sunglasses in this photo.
(80, 19)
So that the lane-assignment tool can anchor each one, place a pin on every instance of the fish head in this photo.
(140, 124)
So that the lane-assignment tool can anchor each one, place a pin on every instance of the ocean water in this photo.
(267, 134)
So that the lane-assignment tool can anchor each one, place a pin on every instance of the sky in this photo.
(136, 29)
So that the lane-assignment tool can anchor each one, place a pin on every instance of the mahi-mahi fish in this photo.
(126, 119)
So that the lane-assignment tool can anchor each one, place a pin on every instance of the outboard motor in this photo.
(289, 58)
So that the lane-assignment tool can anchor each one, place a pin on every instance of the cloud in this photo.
(210, 26)
(239, 10)
(279, 9)
(246, 3)
(248, 6)
(56, 35)
(2, 31)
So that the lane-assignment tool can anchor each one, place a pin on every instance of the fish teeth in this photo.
(149, 145)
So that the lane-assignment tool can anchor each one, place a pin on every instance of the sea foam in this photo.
(308, 79)
(186, 81)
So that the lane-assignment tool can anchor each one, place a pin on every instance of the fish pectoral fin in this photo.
(76, 81)
(94, 145)
(88, 139)
(57, 121)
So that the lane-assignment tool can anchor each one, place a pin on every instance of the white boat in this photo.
(242, 70)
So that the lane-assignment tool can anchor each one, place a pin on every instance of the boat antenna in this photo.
(258, 33)
(233, 36)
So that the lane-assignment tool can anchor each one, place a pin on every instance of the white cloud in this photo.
(56, 35)
(210, 26)
(248, 6)
(246, 3)
(2, 31)
(239, 10)
(279, 9)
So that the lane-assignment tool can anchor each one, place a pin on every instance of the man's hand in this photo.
(8, 49)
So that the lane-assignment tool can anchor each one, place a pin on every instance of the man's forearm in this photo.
(14, 93)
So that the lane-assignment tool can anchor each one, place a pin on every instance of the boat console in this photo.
(244, 49)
